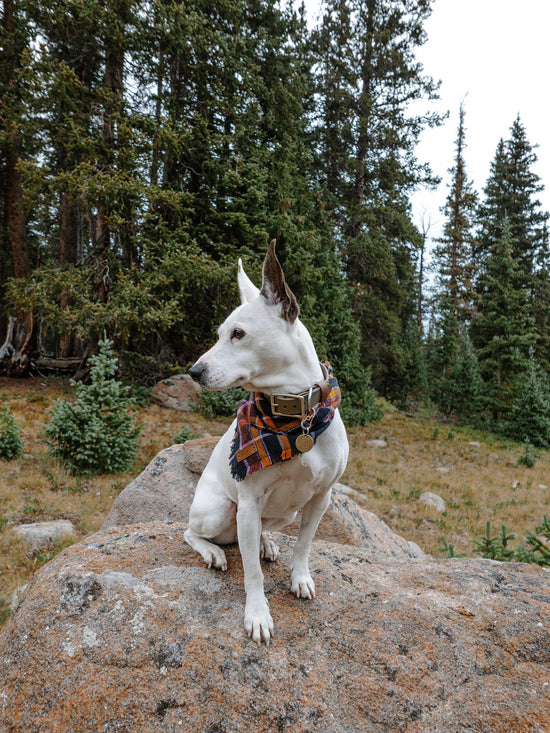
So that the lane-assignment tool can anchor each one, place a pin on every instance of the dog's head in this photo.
(255, 343)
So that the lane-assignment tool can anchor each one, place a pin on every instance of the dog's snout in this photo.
(197, 370)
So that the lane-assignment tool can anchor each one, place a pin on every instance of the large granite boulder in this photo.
(165, 488)
(128, 631)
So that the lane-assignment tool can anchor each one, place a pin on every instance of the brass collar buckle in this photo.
(300, 405)
(294, 405)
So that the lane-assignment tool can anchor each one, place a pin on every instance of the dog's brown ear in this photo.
(274, 287)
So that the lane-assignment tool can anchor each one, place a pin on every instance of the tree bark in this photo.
(20, 341)
(114, 65)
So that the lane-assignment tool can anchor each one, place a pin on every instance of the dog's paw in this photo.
(303, 586)
(212, 554)
(258, 623)
(214, 557)
(268, 549)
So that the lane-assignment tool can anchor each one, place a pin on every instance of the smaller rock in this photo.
(542, 486)
(376, 443)
(39, 535)
(417, 552)
(197, 453)
(163, 490)
(14, 599)
(443, 469)
(474, 444)
(433, 500)
(179, 392)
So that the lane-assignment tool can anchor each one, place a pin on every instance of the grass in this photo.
(35, 487)
(477, 474)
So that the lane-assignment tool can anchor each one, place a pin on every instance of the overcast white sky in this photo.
(494, 54)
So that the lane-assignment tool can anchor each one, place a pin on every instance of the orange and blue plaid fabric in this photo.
(262, 439)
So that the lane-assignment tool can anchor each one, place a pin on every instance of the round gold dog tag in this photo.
(304, 442)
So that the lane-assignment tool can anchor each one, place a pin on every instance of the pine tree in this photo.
(15, 250)
(67, 71)
(454, 298)
(512, 257)
(97, 433)
(511, 197)
(453, 253)
(11, 444)
(367, 76)
(529, 415)
(502, 331)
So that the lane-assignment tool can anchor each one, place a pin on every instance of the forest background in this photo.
(144, 146)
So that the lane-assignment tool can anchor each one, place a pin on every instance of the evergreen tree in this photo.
(453, 253)
(97, 433)
(529, 415)
(502, 331)
(510, 195)
(366, 78)
(454, 298)
(15, 144)
(11, 444)
(511, 201)
(512, 257)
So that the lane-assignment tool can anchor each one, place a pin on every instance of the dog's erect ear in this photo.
(274, 287)
(247, 289)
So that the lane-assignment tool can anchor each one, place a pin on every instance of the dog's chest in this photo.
(291, 490)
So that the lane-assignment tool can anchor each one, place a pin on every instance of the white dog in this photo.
(290, 428)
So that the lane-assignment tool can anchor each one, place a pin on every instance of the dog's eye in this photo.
(238, 333)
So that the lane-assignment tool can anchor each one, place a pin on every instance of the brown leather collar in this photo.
(299, 405)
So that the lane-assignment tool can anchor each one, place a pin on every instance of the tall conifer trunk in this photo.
(365, 110)
(20, 341)
(113, 81)
(68, 235)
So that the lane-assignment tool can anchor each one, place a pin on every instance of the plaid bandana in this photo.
(262, 439)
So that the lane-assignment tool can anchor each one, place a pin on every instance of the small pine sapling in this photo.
(11, 444)
(528, 457)
(96, 433)
(495, 548)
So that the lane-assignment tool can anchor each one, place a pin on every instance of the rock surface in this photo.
(40, 535)
(428, 498)
(128, 631)
(179, 392)
(377, 443)
(165, 489)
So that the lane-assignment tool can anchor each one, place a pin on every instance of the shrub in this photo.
(220, 404)
(535, 550)
(11, 444)
(537, 545)
(184, 435)
(359, 406)
(529, 416)
(495, 548)
(96, 433)
(528, 457)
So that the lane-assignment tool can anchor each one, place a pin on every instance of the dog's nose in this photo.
(197, 370)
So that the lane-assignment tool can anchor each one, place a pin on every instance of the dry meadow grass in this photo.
(478, 476)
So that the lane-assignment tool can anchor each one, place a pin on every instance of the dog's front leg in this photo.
(302, 584)
(258, 623)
